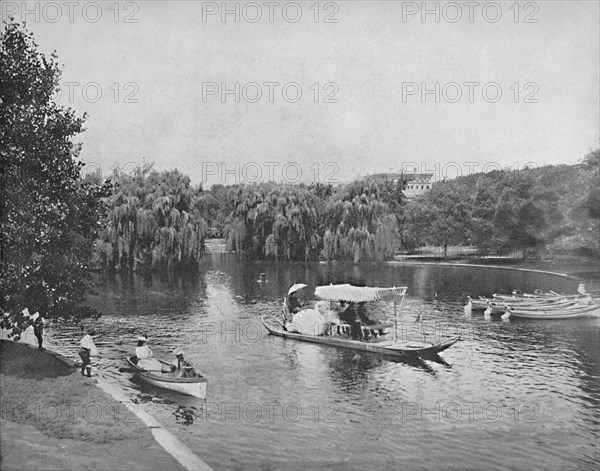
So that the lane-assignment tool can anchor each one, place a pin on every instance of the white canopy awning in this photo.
(358, 294)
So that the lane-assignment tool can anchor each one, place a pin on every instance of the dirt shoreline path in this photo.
(164, 438)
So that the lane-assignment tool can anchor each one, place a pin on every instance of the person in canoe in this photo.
(180, 367)
(145, 356)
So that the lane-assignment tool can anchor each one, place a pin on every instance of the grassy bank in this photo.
(69, 422)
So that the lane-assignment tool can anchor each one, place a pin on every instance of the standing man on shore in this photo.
(88, 349)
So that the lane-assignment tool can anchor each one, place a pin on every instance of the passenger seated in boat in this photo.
(339, 308)
(293, 304)
(144, 356)
(179, 367)
(329, 311)
(367, 322)
(350, 315)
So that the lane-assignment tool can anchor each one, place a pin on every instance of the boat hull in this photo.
(386, 348)
(498, 304)
(194, 386)
(572, 313)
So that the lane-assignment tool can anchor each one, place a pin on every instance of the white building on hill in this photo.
(417, 183)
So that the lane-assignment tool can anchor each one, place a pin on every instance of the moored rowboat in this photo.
(497, 305)
(561, 313)
(194, 385)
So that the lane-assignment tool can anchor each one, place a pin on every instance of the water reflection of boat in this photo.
(381, 344)
(195, 385)
(347, 362)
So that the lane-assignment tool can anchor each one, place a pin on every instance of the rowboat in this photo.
(195, 385)
(592, 310)
(497, 304)
(385, 344)
(479, 303)
(559, 304)
(549, 297)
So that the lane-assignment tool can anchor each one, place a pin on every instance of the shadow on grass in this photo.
(40, 390)
(81, 426)
(26, 362)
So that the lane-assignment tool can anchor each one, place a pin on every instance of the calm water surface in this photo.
(513, 395)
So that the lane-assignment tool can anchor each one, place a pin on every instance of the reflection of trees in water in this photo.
(175, 291)
(125, 294)
(431, 282)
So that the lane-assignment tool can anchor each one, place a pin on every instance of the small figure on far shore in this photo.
(88, 349)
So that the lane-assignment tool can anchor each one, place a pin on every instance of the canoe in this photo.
(383, 347)
(479, 303)
(548, 297)
(537, 306)
(497, 305)
(592, 310)
(193, 386)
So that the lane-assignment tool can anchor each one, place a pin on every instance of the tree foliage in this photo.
(49, 214)
(286, 222)
(359, 225)
(367, 220)
(273, 221)
(578, 207)
(155, 220)
(553, 206)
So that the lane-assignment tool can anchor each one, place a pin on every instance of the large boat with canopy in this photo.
(328, 322)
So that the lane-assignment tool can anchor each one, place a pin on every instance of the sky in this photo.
(306, 91)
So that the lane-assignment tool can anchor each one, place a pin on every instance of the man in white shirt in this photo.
(87, 349)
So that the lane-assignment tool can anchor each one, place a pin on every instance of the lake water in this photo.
(515, 395)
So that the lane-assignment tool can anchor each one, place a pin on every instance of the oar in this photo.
(103, 344)
(128, 370)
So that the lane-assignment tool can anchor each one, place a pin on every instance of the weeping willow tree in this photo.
(359, 226)
(274, 221)
(154, 221)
